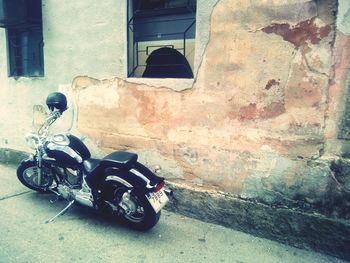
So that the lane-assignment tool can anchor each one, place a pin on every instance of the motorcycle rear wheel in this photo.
(143, 218)
(27, 174)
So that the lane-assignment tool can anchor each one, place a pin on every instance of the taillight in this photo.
(159, 186)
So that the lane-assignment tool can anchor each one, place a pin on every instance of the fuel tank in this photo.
(67, 150)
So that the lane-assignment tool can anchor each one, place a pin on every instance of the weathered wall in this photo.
(254, 122)
(80, 38)
(264, 124)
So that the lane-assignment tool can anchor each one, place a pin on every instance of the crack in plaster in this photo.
(290, 70)
(311, 69)
(160, 87)
(206, 44)
(128, 135)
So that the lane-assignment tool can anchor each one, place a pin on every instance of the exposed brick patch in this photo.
(270, 83)
(300, 33)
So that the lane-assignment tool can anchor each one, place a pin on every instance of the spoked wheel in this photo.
(27, 173)
(133, 209)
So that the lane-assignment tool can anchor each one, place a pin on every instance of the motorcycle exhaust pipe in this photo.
(83, 199)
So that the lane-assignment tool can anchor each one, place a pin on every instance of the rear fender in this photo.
(138, 177)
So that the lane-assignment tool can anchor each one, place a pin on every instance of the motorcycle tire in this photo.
(27, 174)
(143, 219)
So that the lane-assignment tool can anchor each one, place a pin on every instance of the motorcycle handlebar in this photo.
(53, 116)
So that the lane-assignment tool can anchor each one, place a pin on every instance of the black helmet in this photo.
(56, 100)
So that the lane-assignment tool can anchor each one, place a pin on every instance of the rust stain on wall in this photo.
(146, 106)
(302, 32)
(248, 112)
(271, 83)
(272, 110)
(304, 90)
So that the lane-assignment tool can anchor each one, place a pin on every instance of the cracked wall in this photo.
(261, 121)
(254, 122)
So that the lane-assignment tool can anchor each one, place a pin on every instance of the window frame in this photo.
(132, 58)
(33, 56)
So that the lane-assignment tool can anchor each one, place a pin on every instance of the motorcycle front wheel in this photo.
(27, 174)
(141, 217)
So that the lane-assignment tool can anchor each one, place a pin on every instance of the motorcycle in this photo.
(117, 184)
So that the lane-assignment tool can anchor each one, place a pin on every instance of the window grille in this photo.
(160, 25)
(23, 22)
(25, 52)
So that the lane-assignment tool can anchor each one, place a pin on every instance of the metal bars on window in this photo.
(151, 28)
(25, 52)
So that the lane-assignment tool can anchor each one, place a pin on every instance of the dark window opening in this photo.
(23, 22)
(161, 38)
(25, 52)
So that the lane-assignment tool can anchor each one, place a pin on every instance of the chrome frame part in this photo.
(39, 139)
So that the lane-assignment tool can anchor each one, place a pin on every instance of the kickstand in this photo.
(62, 212)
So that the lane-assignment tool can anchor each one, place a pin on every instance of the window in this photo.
(23, 22)
(25, 52)
(161, 38)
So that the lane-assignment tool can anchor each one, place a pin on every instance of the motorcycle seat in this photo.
(93, 168)
(120, 159)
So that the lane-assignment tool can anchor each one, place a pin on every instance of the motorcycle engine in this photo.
(71, 175)
(64, 191)
(81, 194)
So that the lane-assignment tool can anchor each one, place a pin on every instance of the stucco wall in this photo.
(80, 38)
(257, 119)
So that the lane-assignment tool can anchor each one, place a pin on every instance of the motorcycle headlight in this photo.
(33, 140)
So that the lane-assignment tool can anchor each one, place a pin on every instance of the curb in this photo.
(12, 157)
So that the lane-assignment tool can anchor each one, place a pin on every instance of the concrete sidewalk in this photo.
(82, 235)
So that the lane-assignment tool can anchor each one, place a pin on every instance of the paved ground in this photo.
(81, 235)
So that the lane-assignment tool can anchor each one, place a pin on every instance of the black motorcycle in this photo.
(117, 184)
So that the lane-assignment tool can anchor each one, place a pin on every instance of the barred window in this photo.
(23, 22)
(25, 52)
(161, 38)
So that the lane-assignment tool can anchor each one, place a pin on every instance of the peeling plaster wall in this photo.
(260, 121)
(256, 122)
(337, 116)
(81, 38)
(342, 68)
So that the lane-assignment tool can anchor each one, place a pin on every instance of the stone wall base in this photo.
(13, 157)
(288, 226)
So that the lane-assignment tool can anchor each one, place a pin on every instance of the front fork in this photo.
(40, 166)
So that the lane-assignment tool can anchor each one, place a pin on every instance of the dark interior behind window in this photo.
(22, 20)
(161, 36)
